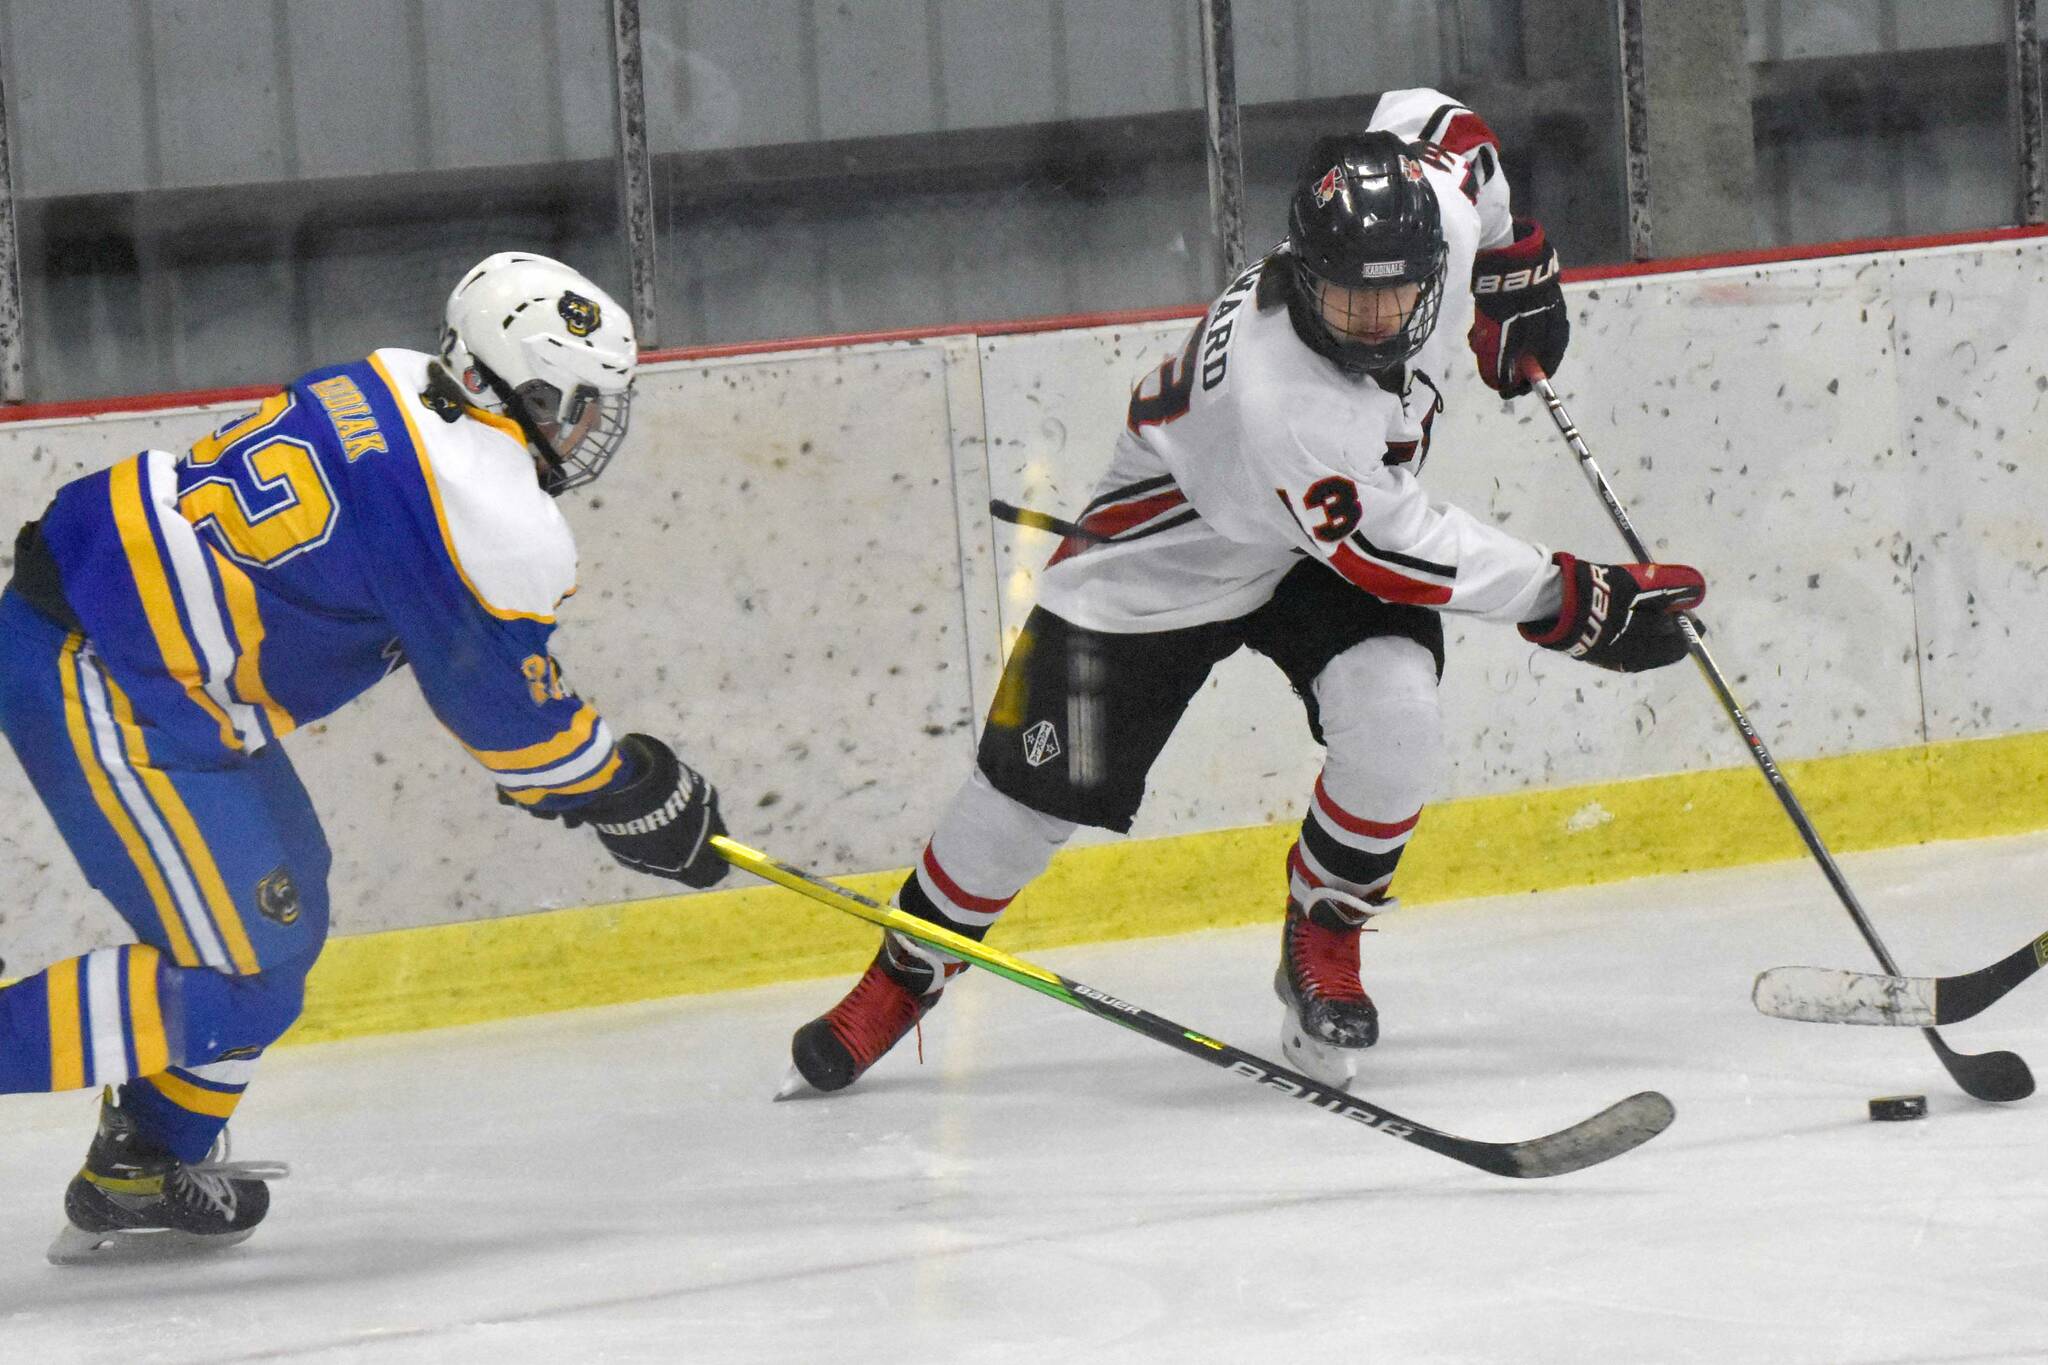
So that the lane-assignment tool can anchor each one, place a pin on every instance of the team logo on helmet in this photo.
(1411, 168)
(1326, 188)
(581, 314)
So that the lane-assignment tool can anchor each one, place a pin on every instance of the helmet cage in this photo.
(576, 433)
(1367, 356)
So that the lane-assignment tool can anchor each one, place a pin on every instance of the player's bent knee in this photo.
(218, 1013)
(1382, 723)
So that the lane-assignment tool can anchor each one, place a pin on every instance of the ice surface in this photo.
(615, 1184)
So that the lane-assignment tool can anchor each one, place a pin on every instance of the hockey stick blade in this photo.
(1823, 995)
(1828, 995)
(1619, 1128)
(2000, 1077)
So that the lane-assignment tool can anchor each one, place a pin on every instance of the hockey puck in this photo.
(1895, 1108)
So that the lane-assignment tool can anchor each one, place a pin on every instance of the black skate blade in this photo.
(132, 1246)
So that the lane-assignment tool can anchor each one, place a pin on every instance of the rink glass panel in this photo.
(1881, 117)
(1545, 77)
(226, 193)
(233, 192)
(830, 169)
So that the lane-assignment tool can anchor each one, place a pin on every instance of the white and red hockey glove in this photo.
(1518, 310)
(1619, 616)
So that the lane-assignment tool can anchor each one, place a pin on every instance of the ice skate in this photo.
(1330, 1019)
(835, 1049)
(133, 1200)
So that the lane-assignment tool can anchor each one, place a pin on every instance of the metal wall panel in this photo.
(877, 70)
(1130, 57)
(221, 106)
(996, 62)
(1782, 30)
(1354, 48)
(729, 73)
(66, 58)
(359, 87)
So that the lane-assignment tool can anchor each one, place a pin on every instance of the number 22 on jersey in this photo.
(263, 492)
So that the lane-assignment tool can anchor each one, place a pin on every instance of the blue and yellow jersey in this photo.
(345, 528)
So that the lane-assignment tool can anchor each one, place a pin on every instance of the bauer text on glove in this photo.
(1620, 616)
(1518, 310)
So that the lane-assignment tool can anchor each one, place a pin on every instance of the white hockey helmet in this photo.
(531, 338)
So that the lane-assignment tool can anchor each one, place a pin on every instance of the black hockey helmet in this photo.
(1362, 224)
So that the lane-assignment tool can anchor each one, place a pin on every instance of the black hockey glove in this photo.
(1518, 310)
(1620, 616)
(660, 822)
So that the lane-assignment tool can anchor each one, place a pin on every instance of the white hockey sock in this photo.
(1381, 723)
(986, 848)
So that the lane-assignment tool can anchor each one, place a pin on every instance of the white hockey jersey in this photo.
(1248, 450)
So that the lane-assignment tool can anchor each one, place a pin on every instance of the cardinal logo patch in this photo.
(1411, 168)
(1041, 744)
(582, 315)
(1326, 188)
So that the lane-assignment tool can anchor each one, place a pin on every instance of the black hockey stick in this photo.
(1984, 1076)
(1616, 1129)
(1043, 521)
(1824, 995)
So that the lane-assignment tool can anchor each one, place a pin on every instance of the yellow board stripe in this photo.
(529, 796)
(198, 857)
(419, 447)
(67, 1051)
(145, 1011)
(153, 585)
(751, 935)
(249, 633)
(547, 751)
(192, 1098)
(182, 951)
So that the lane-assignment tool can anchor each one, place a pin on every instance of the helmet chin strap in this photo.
(543, 449)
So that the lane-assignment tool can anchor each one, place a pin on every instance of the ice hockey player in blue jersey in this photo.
(171, 618)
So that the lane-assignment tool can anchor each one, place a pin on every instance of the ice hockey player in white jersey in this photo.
(1264, 494)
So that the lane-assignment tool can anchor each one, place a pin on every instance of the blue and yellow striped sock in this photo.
(183, 1109)
(87, 1021)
